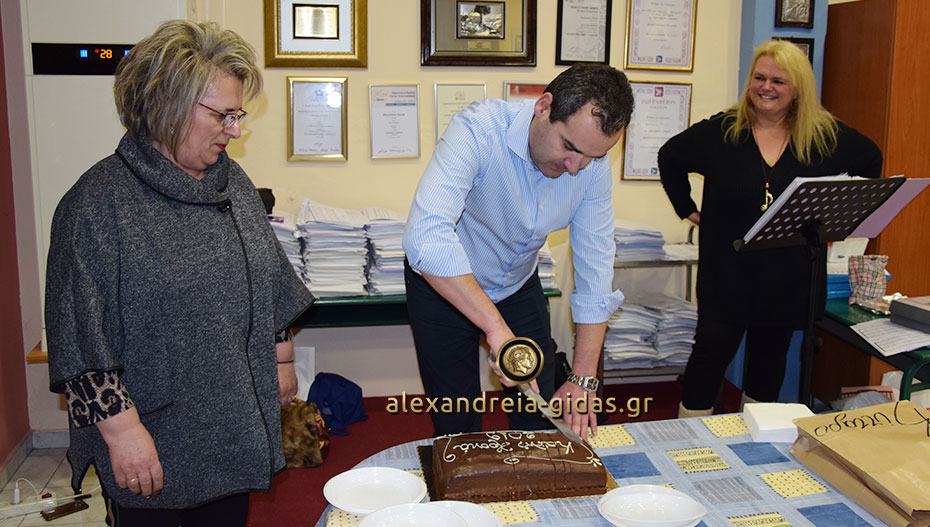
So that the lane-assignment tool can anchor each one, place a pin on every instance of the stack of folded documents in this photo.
(636, 241)
(650, 334)
(675, 337)
(546, 267)
(335, 250)
(384, 230)
(630, 339)
(285, 230)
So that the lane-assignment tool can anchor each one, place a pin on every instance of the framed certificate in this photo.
(451, 98)
(316, 33)
(662, 110)
(583, 31)
(515, 91)
(485, 33)
(395, 120)
(316, 122)
(660, 35)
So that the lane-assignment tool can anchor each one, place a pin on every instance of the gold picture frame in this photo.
(317, 119)
(443, 43)
(321, 34)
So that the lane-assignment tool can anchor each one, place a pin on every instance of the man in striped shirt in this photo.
(502, 177)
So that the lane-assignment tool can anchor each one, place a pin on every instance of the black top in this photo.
(766, 286)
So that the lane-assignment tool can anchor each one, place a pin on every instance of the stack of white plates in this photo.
(650, 506)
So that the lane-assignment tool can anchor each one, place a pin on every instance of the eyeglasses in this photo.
(228, 118)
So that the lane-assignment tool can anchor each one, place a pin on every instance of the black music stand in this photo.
(813, 212)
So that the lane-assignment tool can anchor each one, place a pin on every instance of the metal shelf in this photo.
(689, 280)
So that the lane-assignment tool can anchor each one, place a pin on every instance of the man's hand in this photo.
(576, 408)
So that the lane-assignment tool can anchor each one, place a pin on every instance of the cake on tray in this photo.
(511, 465)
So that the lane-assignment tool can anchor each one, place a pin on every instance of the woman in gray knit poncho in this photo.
(169, 299)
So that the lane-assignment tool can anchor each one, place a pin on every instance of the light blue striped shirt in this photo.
(482, 207)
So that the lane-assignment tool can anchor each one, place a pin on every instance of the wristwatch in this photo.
(588, 383)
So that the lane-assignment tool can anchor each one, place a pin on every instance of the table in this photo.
(712, 459)
(352, 311)
(837, 319)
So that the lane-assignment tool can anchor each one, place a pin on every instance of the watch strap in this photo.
(588, 383)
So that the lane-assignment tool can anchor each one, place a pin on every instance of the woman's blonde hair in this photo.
(164, 76)
(812, 128)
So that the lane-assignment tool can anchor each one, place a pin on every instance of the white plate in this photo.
(413, 515)
(474, 515)
(365, 490)
(650, 506)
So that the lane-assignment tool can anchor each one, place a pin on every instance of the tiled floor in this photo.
(49, 471)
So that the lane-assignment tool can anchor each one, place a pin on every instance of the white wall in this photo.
(381, 359)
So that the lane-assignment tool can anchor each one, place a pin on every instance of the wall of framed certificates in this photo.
(372, 149)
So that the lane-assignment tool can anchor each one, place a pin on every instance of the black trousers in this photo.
(448, 353)
(231, 511)
(716, 343)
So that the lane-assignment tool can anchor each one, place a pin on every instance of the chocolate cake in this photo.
(511, 465)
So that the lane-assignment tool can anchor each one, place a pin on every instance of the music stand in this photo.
(813, 212)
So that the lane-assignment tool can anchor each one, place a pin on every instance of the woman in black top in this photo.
(748, 155)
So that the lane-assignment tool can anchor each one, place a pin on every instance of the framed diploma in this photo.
(395, 120)
(484, 33)
(316, 33)
(794, 13)
(316, 122)
(515, 91)
(662, 110)
(583, 31)
(450, 98)
(660, 35)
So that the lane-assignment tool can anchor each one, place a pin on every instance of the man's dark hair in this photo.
(604, 86)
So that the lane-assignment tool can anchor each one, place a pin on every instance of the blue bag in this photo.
(339, 401)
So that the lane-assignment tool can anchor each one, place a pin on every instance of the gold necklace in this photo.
(767, 197)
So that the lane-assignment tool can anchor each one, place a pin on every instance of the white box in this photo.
(772, 422)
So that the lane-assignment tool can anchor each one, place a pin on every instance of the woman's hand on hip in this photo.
(132, 453)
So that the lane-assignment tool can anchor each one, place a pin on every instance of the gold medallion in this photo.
(520, 360)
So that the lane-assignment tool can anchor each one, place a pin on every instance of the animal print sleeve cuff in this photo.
(283, 336)
(94, 396)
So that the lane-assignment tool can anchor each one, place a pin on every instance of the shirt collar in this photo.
(518, 134)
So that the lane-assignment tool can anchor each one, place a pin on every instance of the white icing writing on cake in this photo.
(500, 442)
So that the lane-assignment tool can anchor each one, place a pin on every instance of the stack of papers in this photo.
(546, 267)
(650, 335)
(636, 241)
(384, 230)
(675, 337)
(335, 250)
(772, 422)
(681, 252)
(630, 338)
(285, 230)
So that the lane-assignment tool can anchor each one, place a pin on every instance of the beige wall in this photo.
(381, 359)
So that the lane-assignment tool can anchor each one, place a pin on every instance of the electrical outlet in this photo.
(27, 507)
